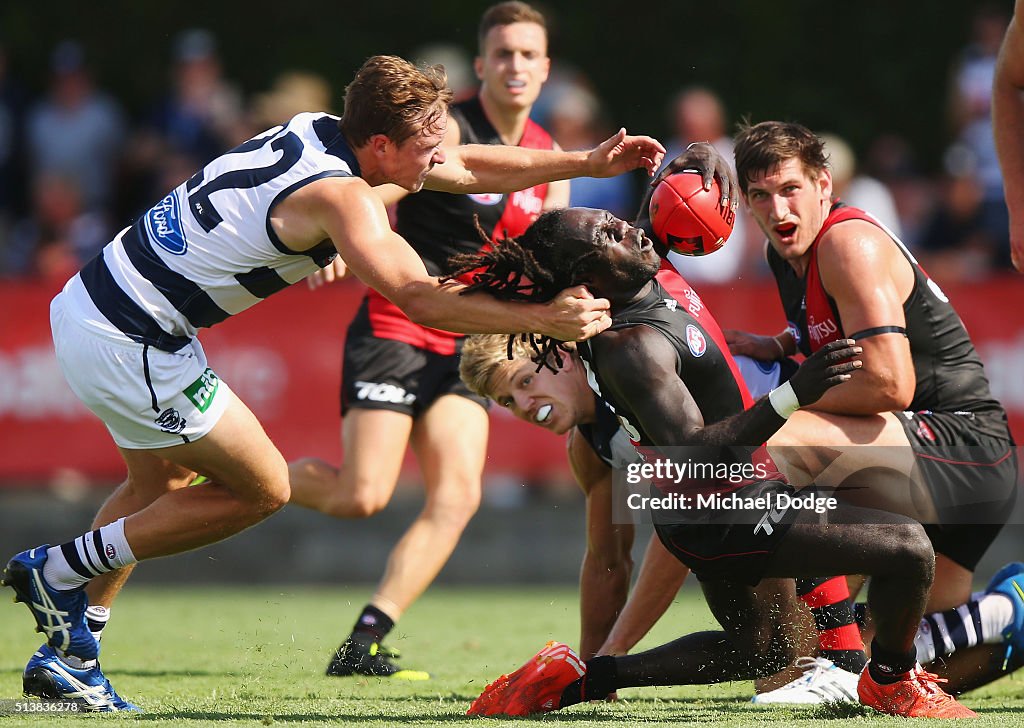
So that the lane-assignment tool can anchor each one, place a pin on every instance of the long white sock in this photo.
(74, 563)
(980, 621)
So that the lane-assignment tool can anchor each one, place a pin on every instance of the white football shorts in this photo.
(147, 398)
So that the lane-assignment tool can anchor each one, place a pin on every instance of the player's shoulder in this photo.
(854, 243)
(626, 347)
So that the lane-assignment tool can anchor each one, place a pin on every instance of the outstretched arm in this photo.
(500, 168)
(1007, 123)
(354, 218)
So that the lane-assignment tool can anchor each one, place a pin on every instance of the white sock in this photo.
(97, 618)
(74, 563)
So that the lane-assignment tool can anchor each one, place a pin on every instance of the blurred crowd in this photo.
(75, 166)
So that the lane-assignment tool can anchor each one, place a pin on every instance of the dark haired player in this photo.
(667, 381)
(921, 407)
(400, 383)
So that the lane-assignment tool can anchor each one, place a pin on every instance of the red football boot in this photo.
(917, 695)
(535, 687)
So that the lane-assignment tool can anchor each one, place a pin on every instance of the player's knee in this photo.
(455, 503)
(357, 503)
(912, 551)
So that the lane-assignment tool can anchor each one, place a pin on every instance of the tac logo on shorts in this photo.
(163, 222)
(696, 341)
(486, 198)
(170, 421)
(110, 551)
(383, 392)
(202, 391)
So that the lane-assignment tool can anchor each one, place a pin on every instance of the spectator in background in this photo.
(203, 115)
(576, 122)
(859, 190)
(60, 236)
(457, 64)
(1008, 119)
(971, 113)
(955, 243)
(77, 131)
(292, 93)
(698, 115)
(199, 117)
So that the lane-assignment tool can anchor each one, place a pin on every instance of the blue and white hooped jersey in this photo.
(207, 250)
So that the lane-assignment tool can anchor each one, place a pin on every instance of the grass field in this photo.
(198, 656)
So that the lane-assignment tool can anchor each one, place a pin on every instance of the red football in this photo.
(688, 218)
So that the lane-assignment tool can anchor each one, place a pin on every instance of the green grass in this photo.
(196, 656)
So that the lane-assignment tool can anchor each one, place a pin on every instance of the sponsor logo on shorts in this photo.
(170, 421)
(202, 391)
(770, 520)
(110, 551)
(383, 392)
(696, 341)
(163, 222)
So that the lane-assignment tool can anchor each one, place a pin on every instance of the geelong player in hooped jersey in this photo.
(250, 223)
(400, 380)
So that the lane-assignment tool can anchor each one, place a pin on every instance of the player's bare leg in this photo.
(450, 441)
(373, 444)
(149, 477)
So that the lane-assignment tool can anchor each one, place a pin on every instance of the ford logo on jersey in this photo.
(163, 222)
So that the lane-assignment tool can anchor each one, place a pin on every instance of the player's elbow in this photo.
(897, 394)
(419, 304)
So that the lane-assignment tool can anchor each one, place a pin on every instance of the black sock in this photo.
(888, 667)
(597, 684)
(372, 626)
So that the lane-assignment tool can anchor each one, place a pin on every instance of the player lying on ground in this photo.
(253, 221)
(667, 380)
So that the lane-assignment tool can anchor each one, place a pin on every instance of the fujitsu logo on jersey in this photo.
(821, 331)
(528, 201)
(696, 305)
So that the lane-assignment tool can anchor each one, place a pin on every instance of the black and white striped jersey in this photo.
(207, 250)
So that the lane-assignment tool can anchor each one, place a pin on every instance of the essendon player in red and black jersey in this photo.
(648, 368)
(400, 380)
(918, 426)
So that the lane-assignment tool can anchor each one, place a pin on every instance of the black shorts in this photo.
(730, 545)
(972, 478)
(392, 375)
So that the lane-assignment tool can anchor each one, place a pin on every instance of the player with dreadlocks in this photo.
(741, 557)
